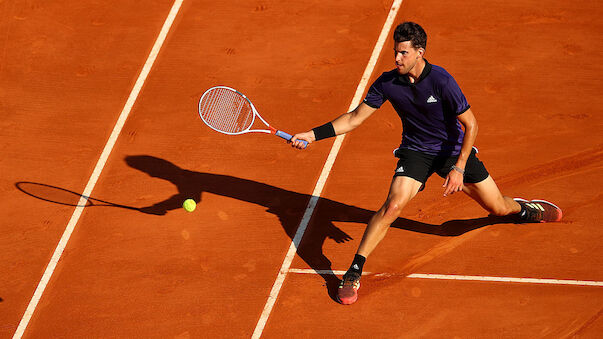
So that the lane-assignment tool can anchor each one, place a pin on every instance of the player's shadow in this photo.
(288, 206)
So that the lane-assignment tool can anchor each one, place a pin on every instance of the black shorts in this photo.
(421, 166)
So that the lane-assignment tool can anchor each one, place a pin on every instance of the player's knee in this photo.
(393, 209)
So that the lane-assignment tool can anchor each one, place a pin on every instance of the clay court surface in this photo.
(143, 267)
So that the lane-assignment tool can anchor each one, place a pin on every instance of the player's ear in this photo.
(421, 52)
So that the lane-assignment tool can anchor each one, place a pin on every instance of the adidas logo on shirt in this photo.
(431, 99)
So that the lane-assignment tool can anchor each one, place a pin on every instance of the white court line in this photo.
(278, 283)
(506, 279)
(463, 277)
(97, 170)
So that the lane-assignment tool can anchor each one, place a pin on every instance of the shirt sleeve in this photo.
(375, 97)
(454, 97)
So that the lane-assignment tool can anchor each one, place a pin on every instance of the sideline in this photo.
(278, 283)
(56, 256)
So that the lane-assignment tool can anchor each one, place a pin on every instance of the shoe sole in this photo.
(349, 301)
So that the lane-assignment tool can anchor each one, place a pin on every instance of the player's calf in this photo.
(504, 206)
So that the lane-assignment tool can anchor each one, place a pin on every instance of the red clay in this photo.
(530, 71)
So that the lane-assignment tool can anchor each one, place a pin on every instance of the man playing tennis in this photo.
(439, 130)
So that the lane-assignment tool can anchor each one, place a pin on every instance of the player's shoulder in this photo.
(439, 75)
(388, 76)
(440, 72)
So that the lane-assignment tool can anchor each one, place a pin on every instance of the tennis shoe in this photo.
(348, 288)
(539, 211)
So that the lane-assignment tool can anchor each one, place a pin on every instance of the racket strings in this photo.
(226, 110)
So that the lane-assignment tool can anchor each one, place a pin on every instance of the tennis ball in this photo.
(189, 205)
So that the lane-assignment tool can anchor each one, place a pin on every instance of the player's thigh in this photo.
(486, 193)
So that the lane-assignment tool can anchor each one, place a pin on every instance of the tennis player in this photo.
(439, 130)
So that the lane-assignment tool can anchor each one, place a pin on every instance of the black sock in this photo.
(357, 264)
(523, 213)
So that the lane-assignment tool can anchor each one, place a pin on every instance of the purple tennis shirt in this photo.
(428, 108)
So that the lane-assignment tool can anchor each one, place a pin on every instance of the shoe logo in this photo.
(400, 170)
(431, 99)
(356, 267)
(536, 206)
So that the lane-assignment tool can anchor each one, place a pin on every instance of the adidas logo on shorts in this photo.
(400, 170)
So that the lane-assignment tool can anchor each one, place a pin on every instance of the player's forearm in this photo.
(333, 128)
(467, 119)
(468, 142)
(344, 123)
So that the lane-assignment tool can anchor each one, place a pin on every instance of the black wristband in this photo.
(325, 131)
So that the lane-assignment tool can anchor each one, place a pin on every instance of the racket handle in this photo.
(288, 137)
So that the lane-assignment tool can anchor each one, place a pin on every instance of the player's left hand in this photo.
(453, 183)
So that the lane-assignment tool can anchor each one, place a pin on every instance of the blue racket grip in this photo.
(288, 137)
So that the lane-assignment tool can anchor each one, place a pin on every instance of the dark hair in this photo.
(410, 31)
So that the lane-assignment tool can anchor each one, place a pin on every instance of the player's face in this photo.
(406, 56)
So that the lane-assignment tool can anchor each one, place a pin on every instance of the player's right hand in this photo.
(306, 136)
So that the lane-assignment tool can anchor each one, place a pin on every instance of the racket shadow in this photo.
(62, 196)
(289, 207)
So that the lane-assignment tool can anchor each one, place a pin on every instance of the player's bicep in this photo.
(467, 119)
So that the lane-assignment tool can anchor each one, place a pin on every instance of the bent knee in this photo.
(393, 209)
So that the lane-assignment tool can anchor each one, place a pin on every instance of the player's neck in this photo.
(415, 72)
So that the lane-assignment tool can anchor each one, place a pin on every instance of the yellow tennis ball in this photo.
(189, 205)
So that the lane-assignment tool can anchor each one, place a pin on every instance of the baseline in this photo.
(463, 277)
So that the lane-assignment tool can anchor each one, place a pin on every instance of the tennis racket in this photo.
(229, 111)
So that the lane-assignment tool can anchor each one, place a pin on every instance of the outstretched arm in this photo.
(341, 125)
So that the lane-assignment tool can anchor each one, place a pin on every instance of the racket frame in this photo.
(270, 130)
